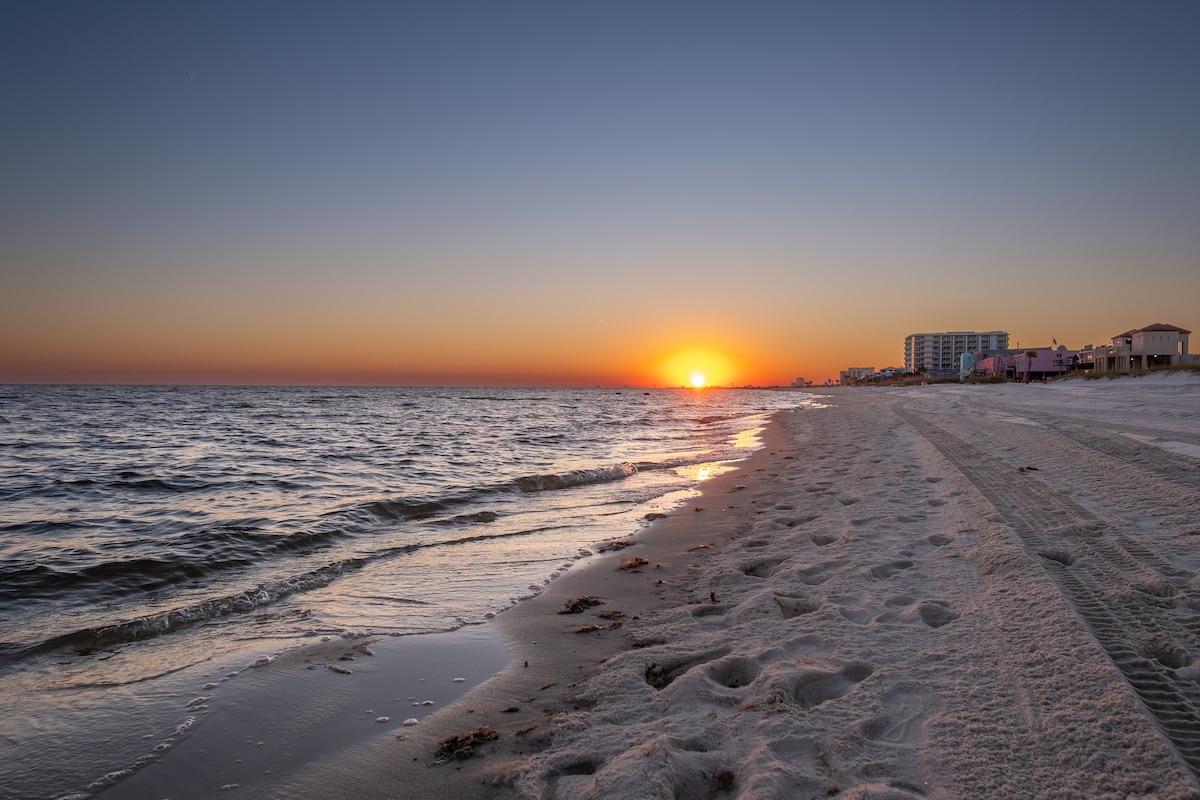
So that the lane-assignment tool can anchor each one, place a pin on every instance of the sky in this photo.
(582, 193)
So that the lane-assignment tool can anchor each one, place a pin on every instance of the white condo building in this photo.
(942, 352)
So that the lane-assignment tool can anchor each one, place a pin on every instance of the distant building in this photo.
(1156, 345)
(966, 366)
(799, 383)
(941, 353)
(1019, 365)
(853, 375)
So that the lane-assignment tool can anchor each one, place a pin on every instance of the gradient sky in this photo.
(584, 192)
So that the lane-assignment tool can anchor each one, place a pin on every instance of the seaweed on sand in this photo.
(576, 605)
(462, 745)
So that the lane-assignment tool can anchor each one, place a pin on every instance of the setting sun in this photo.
(698, 368)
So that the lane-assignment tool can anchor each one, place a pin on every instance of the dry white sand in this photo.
(934, 592)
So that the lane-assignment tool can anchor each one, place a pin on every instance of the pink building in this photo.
(1046, 362)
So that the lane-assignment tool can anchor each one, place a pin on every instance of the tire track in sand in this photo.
(1126, 593)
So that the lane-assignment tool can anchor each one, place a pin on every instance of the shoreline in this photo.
(937, 593)
(260, 753)
(148, 627)
(559, 659)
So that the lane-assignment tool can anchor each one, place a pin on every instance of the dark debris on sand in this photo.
(576, 605)
(462, 745)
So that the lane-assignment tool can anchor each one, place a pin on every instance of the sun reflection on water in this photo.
(748, 438)
(702, 472)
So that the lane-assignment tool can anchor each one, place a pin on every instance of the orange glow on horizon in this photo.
(698, 368)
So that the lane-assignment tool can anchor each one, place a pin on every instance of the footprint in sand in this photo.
(850, 606)
(822, 539)
(660, 675)
(732, 673)
(1170, 654)
(815, 688)
(936, 613)
(1062, 557)
(710, 617)
(884, 571)
(816, 575)
(796, 605)
(584, 767)
(859, 616)
(938, 540)
(903, 710)
(764, 568)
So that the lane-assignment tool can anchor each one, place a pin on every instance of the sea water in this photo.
(149, 535)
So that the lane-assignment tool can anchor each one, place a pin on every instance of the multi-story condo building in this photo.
(941, 353)
(852, 375)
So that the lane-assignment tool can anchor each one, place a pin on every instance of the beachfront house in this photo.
(1153, 346)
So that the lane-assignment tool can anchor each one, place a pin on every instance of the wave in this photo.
(194, 555)
(417, 508)
(711, 418)
(156, 484)
(579, 477)
(541, 439)
(135, 482)
(45, 526)
(406, 508)
(206, 552)
(88, 640)
(479, 517)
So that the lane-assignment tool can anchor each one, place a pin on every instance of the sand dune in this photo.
(939, 592)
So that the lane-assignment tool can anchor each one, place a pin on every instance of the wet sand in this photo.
(309, 704)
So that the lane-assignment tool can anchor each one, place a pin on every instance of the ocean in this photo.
(154, 537)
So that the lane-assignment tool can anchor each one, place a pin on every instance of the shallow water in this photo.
(154, 540)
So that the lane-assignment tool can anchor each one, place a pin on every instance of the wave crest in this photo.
(579, 477)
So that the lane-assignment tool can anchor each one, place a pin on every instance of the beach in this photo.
(306, 567)
(926, 592)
